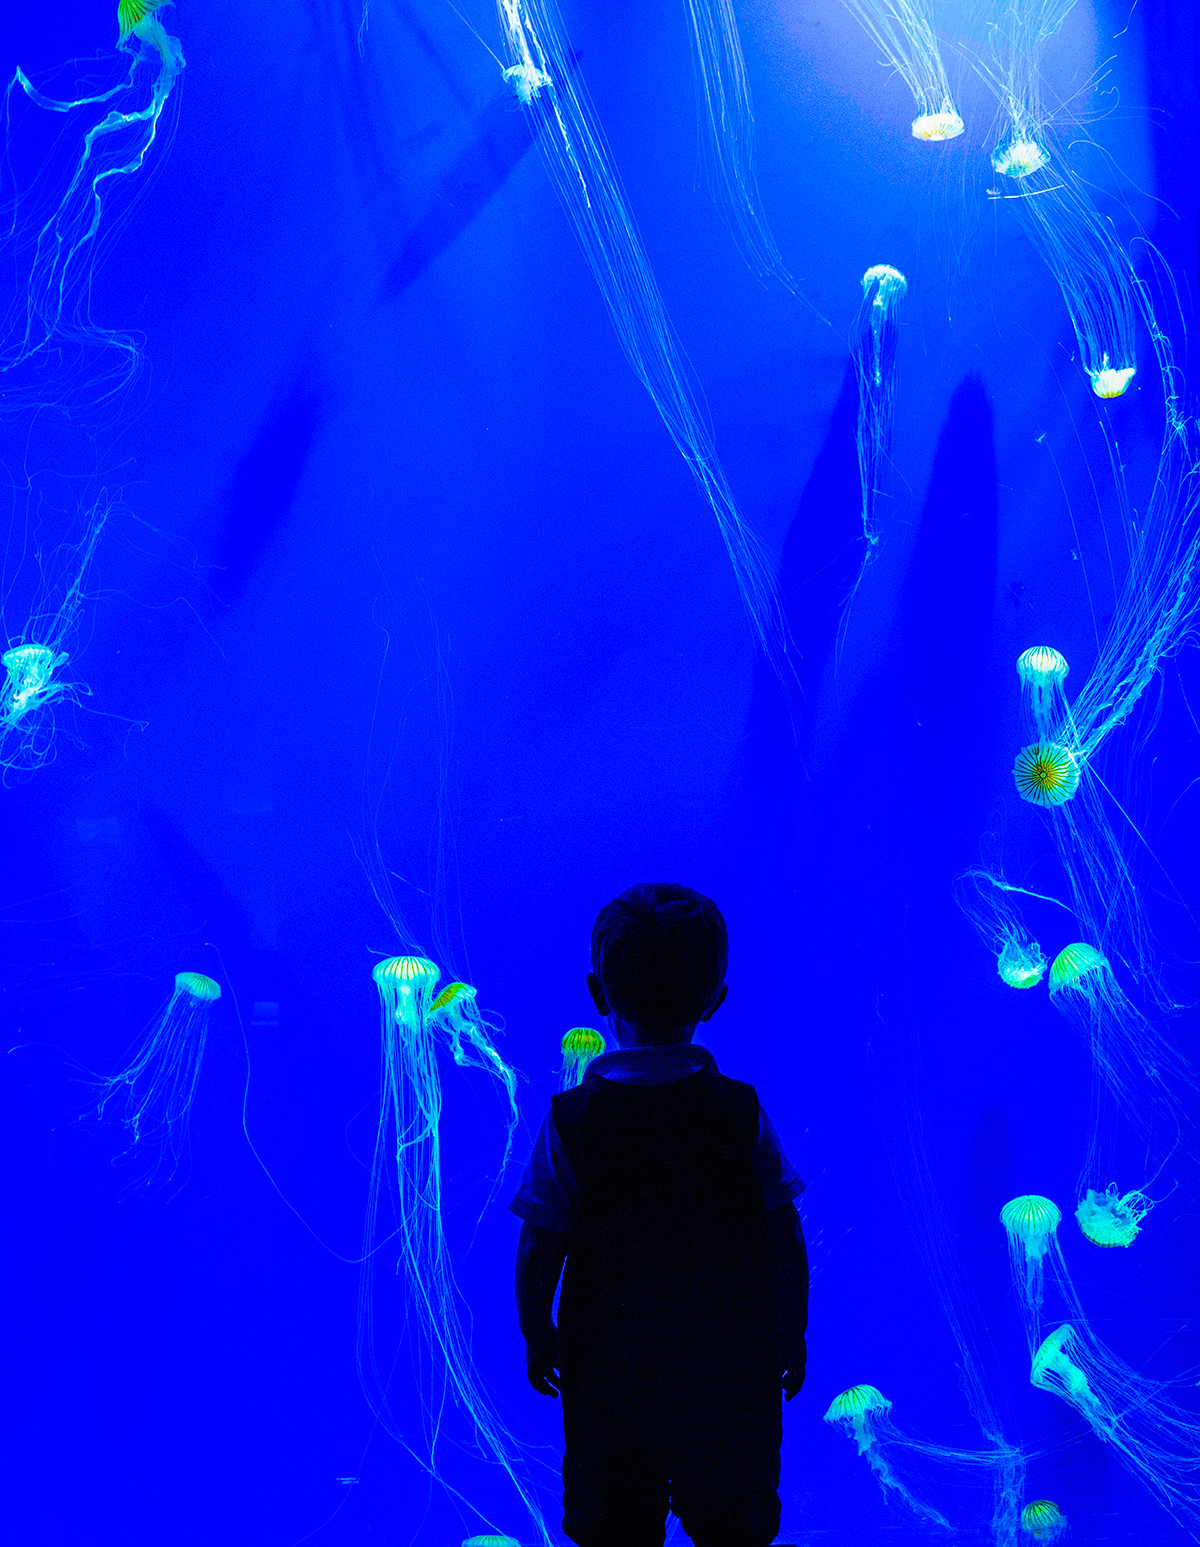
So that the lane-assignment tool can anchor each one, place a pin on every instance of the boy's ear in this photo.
(596, 989)
(717, 1003)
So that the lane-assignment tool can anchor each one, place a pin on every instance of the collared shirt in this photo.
(548, 1192)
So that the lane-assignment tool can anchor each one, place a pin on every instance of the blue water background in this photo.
(394, 507)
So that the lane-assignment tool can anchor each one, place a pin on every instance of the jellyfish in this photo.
(579, 1046)
(874, 355)
(1103, 294)
(727, 115)
(904, 31)
(986, 898)
(491, 1541)
(52, 245)
(865, 1415)
(1046, 773)
(157, 1086)
(1055, 1370)
(580, 166)
(406, 1175)
(1043, 670)
(1111, 1219)
(527, 82)
(1152, 1087)
(1043, 1520)
(1030, 1223)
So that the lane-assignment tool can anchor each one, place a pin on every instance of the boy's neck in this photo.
(627, 1035)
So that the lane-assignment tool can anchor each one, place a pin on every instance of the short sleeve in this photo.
(546, 1196)
(777, 1178)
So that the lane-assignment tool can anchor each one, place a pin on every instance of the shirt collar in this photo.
(652, 1065)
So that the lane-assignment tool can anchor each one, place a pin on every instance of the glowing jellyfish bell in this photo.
(1021, 964)
(1031, 1221)
(1110, 1218)
(1073, 964)
(1043, 670)
(1043, 1520)
(580, 1045)
(159, 1082)
(527, 82)
(1111, 381)
(405, 985)
(30, 670)
(889, 284)
(853, 1407)
(491, 1541)
(934, 127)
(1019, 157)
(1046, 773)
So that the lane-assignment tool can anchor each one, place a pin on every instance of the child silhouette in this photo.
(661, 1185)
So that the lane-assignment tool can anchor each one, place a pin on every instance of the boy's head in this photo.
(659, 952)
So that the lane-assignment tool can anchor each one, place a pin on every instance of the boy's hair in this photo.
(660, 951)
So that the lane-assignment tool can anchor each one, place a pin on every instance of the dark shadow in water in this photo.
(502, 134)
(950, 590)
(263, 488)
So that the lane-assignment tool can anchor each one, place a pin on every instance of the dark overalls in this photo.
(668, 1321)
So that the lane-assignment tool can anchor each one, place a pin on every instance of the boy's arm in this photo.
(540, 1257)
(791, 1274)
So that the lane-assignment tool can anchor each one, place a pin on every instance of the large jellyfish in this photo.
(904, 31)
(406, 1176)
(156, 1087)
(580, 166)
(728, 115)
(579, 1046)
(51, 232)
(1043, 1520)
(1046, 773)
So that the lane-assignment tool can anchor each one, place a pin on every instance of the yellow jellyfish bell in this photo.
(1046, 773)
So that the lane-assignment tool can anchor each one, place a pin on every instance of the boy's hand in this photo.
(541, 1361)
(793, 1375)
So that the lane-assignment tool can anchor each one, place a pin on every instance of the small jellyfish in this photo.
(527, 82)
(1111, 381)
(580, 1045)
(1046, 773)
(30, 682)
(160, 1081)
(1021, 965)
(852, 1408)
(1043, 670)
(1072, 964)
(1043, 1520)
(491, 1541)
(1019, 157)
(455, 1009)
(1110, 1218)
